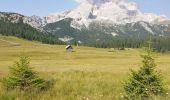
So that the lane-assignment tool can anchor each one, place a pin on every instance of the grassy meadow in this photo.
(86, 74)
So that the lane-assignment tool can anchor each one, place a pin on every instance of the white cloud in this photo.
(123, 3)
(80, 1)
(99, 1)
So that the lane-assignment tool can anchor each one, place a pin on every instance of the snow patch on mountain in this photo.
(113, 11)
(66, 39)
(74, 24)
(34, 21)
(54, 17)
(146, 27)
(114, 34)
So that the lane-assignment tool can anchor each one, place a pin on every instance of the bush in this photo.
(23, 77)
(146, 82)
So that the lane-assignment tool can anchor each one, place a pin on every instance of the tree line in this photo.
(159, 44)
(22, 30)
(25, 31)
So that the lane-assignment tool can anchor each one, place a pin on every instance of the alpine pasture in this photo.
(86, 74)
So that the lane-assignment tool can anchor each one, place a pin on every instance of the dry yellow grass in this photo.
(54, 61)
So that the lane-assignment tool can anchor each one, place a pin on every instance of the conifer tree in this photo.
(23, 77)
(146, 82)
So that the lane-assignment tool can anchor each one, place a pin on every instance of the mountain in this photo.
(25, 27)
(33, 21)
(99, 23)
(97, 19)
(109, 11)
(106, 17)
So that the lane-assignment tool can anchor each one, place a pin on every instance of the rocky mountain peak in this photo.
(115, 11)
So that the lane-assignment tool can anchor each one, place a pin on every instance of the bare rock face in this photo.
(35, 21)
(114, 11)
(12, 17)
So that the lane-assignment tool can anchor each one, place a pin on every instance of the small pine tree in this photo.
(146, 82)
(23, 77)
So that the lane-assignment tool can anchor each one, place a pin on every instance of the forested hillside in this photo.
(25, 31)
(100, 35)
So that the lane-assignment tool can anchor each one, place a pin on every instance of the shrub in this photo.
(23, 77)
(146, 82)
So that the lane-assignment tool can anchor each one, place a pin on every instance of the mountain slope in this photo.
(94, 20)
(98, 30)
(99, 23)
(13, 24)
(110, 11)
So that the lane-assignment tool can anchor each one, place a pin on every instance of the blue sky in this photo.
(44, 7)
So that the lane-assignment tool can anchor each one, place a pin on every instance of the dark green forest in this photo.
(25, 31)
(93, 37)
